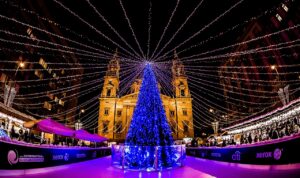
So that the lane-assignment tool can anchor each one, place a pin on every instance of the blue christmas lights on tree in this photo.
(149, 136)
(3, 134)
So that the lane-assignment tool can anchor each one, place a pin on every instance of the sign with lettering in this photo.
(21, 156)
(284, 151)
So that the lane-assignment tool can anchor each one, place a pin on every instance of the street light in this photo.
(22, 65)
(283, 93)
(273, 67)
(225, 117)
(78, 124)
(215, 123)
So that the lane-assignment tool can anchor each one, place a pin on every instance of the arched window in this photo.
(173, 127)
(185, 129)
(108, 92)
(118, 127)
(185, 126)
(182, 92)
(184, 112)
(106, 111)
(105, 126)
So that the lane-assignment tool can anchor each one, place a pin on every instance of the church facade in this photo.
(115, 112)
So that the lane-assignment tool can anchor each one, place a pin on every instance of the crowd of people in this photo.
(268, 132)
(19, 134)
(23, 135)
(274, 131)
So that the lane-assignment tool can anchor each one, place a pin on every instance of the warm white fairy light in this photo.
(45, 19)
(162, 76)
(165, 29)
(69, 111)
(69, 88)
(149, 29)
(94, 28)
(278, 115)
(14, 119)
(249, 51)
(64, 99)
(55, 44)
(179, 29)
(111, 27)
(199, 75)
(220, 34)
(206, 26)
(197, 56)
(131, 28)
(196, 81)
(49, 33)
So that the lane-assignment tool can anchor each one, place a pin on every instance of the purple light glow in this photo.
(195, 167)
(50, 126)
(84, 135)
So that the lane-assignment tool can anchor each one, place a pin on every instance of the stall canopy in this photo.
(50, 126)
(84, 135)
(100, 137)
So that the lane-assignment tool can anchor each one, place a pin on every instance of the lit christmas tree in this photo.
(149, 128)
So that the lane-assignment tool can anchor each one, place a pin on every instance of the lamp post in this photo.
(283, 93)
(78, 124)
(22, 65)
(215, 124)
(273, 67)
(225, 117)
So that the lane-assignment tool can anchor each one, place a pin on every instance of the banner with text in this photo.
(14, 156)
(280, 152)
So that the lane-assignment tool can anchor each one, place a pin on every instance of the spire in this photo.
(114, 66)
(175, 55)
(176, 58)
(116, 56)
(177, 67)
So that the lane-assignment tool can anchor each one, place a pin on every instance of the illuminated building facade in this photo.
(47, 72)
(115, 113)
(250, 82)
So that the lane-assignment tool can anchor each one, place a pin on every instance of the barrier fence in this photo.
(281, 151)
(150, 158)
(22, 156)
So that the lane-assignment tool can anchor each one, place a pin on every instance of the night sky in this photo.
(138, 13)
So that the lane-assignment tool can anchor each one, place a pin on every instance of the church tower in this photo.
(116, 112)
(109, 97)
(182, 100)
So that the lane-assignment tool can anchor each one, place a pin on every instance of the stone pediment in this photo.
(135, 96)
(130, 96)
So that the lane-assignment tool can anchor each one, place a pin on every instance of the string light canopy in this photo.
(199, 51)
(281, 114)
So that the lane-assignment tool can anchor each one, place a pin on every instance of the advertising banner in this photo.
(269, 153)
(16, 156)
